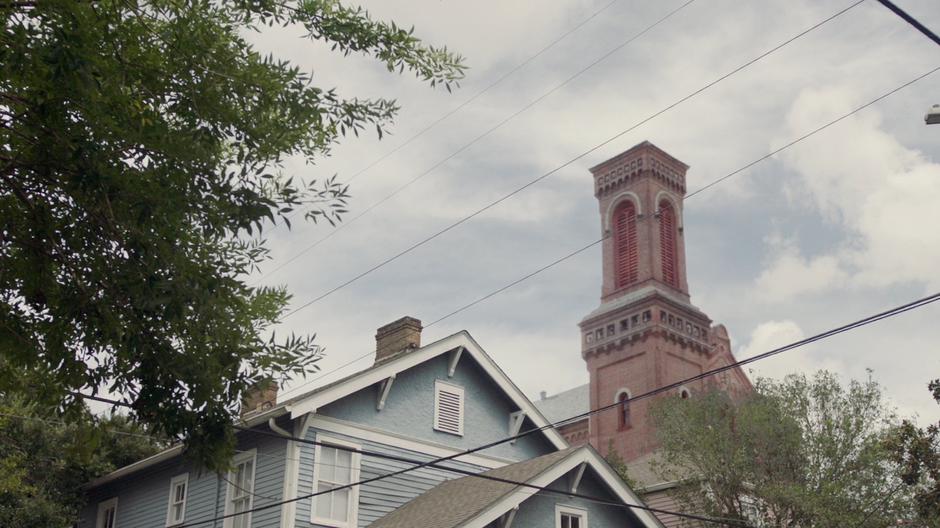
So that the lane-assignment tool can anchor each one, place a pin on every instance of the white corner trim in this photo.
(384, 387)
(368, 378)
(452, 362)
(354, 430)
(292, 472)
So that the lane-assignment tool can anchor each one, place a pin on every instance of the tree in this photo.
(802, 452)
(917, 451)
(44, 462)
(619, 465)
(142, 149)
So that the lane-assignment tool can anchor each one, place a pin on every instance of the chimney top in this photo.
(397, 336)
(259, 397)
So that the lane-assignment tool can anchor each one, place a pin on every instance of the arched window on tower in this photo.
(667, 243)
(623, 409)
(626, 258)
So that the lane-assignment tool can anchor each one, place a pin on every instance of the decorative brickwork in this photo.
(646, 333)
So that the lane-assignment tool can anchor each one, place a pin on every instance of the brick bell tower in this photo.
(646, 333)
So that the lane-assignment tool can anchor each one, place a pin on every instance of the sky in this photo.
(837, 227)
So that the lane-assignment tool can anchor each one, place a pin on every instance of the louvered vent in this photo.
(448, 408)
(667, 244)
(626, 266)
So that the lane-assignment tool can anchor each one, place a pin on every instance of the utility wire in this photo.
(518, 190)
(472, 142)
(705, 187)
(911, 20)
(892, 312)
(469, 473)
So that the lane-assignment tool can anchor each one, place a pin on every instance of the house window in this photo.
(624, 325)
(611, 330)
(107, 514)
(626, 256)
(623, 410)
(568, 517)
(176, 509)
(240, 490)
(685, 393)
(448, 408)
(334, 469)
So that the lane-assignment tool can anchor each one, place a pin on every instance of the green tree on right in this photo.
(917, 451)
(806, 451)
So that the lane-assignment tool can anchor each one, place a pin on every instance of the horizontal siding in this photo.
(143, 496)
(378, 498)
(663, 501)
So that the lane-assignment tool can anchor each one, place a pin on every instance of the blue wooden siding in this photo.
(539, 510)
(143, 496)
(409, 410)
(382, 496)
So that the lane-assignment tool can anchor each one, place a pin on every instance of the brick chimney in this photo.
(403, 334)
(259, 397)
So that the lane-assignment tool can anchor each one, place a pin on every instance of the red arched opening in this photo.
(667, 243)
(623, 410)
(626, 258)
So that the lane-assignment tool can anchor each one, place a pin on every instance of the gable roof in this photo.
(312, 400)
(472, 502)
(459, 343)
(571, 402)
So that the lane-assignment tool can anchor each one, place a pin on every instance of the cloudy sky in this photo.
(844, 224)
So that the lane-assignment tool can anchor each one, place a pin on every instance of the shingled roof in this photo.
(454, 502)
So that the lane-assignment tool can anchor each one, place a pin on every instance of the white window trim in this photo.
(103, 506)
(580, 512)
(438, 385)
(250, 454)
(352, 515)
(184, 478)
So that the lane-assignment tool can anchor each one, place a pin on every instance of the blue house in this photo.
(413, 404)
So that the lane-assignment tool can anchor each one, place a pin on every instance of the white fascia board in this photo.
(461, 339)
(176, 450)
(164, 455)
(584, 455)
(359, 431)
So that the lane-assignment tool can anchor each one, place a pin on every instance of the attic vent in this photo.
(448, 408)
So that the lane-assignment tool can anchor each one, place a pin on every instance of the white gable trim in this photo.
(354, 430)
(318, 399)
(584, 455)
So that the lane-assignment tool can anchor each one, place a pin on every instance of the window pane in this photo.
(180, 492)
(327, 464)
(343, 467)
(324, 502)
(565, 521)
(575, 521)
(177, 514)
(341, 505)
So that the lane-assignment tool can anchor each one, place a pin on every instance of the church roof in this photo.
(565, 404)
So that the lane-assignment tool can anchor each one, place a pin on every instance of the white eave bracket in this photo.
(515, 424)
(576, 477)
(452, 363)
(384, 389)
(505, 521)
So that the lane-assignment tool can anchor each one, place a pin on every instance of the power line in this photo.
(518, 190)
(472, 142)
(705, 187)
(911, 20)
(737, 364)
(469, 473)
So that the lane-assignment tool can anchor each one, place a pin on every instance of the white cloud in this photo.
(792, 275)
(770, 335)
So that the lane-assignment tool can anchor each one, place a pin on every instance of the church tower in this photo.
(646, 333)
